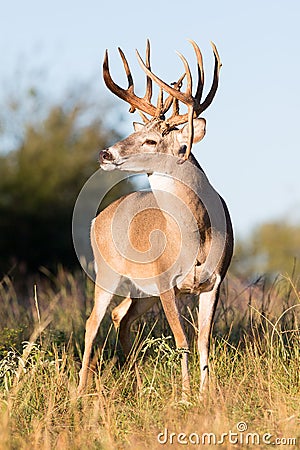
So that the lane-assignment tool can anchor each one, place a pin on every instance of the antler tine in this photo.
(143, 117)
(160, 103)
(200, 85)
(169, 89)
(129, 76)
(128, 95)
(171, 100)
(148, 93)
(215, 83)
(175, 107)
(188, 92)
(127, 70)
(191, 132)
(197, 106)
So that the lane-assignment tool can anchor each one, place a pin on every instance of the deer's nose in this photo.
(105, 155)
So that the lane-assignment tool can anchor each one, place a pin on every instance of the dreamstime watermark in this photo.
(123, 222)
(239, 436)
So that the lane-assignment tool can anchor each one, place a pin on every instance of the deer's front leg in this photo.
(102, 300)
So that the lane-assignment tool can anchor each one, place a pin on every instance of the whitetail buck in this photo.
(175, 238)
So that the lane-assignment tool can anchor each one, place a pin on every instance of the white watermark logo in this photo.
(240, 435)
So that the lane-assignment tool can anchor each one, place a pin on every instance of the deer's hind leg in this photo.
(169, 304)
(207, 305)
(135, 309)
(123, 316)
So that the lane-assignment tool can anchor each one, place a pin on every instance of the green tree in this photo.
(40, 180)
(272, 249)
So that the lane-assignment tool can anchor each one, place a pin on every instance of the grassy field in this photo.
(254, 398)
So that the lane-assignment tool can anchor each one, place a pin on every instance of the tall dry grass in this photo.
(254, 370)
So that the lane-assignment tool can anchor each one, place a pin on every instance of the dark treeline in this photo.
(40, 178)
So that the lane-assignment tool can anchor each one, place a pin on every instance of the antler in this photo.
(143, 104)
(195, 107)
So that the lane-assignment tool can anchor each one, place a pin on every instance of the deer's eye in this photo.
(150, 142)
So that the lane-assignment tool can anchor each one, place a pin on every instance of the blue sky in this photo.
(251, 151)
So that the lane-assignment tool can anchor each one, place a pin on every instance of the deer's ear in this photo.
(199, 130)
(138, 126)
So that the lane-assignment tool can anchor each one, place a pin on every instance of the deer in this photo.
(175, 238)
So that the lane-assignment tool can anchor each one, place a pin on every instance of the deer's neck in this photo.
(161, 182)
(183, 181)
(175, 199)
